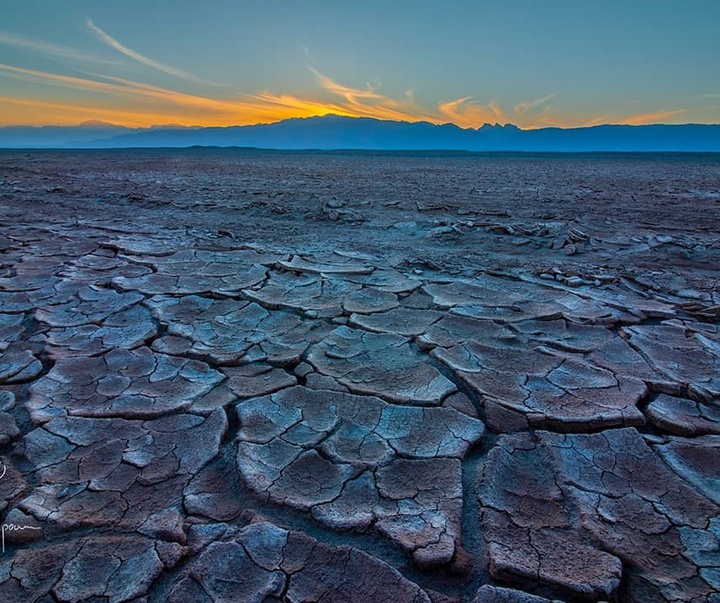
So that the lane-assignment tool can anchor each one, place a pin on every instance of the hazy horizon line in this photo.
(170, 125)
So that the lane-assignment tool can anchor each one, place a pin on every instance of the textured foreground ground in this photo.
(261, 377)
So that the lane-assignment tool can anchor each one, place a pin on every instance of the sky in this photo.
(533, 63)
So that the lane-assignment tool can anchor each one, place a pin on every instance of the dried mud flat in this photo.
(255, 376)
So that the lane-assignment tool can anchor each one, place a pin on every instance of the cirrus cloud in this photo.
(52, 50)
(107, 39)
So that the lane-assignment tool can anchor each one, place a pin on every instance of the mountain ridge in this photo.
(335, 132)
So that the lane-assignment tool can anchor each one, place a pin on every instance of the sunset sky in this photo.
(224, 62)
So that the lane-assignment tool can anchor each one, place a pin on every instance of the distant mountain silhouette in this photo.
(59, 136)
(335, 132)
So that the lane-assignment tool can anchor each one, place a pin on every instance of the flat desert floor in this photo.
(232, 375)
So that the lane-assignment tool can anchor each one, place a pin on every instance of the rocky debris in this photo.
(379, 364)
(572, 276)
(357, 461)
(262, 562)
(440, 231)
(332, 211)
(120, 383)
(564, 510)
(575, 241)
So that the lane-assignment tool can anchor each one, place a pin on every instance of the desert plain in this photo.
(237, 375)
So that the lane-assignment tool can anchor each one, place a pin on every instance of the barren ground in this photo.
(234, 375)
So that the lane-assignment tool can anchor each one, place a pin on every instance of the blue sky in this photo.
(223, 62)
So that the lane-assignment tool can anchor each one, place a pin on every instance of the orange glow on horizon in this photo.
(136, 104)
(650, 118)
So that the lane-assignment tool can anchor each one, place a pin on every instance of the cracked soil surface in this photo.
(254, 376)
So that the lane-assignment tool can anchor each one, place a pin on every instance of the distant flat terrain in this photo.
(266, 376)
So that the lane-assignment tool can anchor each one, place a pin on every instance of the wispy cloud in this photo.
(708, 95)
(106, 38)
(265, 106)
(54, 50)
(66, 81)
(137, 103)
(525, 106)
(368, 102)
(139, 92)
(650, 118)
(190, 108)
(638, 119)
(469, 113)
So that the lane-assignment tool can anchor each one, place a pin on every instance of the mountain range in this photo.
(332, 132)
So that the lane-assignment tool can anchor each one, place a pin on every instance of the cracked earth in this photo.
(245, 376)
